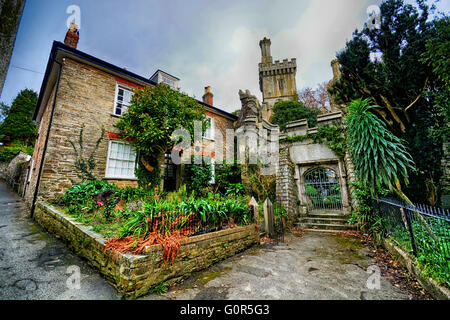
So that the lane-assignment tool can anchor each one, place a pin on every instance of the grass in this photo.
(433, 257)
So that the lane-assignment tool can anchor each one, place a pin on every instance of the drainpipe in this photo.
(38, 181)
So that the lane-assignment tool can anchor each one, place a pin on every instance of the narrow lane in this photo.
(36, 265)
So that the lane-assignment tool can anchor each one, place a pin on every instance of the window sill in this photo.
(210, 139)
(121, 178)
(115, 115)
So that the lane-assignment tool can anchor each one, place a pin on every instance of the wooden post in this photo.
(268, 217)
(254, 204)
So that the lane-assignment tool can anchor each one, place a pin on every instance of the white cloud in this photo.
(229, 61)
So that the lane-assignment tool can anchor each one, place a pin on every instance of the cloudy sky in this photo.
(201, 42)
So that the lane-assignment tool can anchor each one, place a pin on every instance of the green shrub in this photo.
(363, 215)
(177, 196)
(198, 176)
(8, 153)
(211, 213)
(286, 111)
(228, 178)
(19, 125)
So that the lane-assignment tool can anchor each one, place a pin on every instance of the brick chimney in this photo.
(208, 96)
(72, 36)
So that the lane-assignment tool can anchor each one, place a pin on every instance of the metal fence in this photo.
(323, 190)
(190, 225)
(421, 229)
(279, 222)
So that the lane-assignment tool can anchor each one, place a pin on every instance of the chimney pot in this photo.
(72, 36)
(208, 96)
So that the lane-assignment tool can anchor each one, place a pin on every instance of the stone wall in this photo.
(10, 14)
(16, 172)
(286, 190)
(134, 276)
(38, 150)
(3, 168)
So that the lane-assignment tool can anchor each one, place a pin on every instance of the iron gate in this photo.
(170, 179)
(323, 189)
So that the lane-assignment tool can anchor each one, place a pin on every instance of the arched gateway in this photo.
(323, 189)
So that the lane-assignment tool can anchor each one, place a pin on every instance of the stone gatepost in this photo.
(254, 204)
(268, 217)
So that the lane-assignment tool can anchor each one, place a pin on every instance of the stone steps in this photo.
(323, 220)
(331, 222)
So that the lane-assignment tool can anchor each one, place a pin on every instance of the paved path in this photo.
(34, 265)
(315, 266)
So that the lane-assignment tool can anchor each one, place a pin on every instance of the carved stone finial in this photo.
(250, 107)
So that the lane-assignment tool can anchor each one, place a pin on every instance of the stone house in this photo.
(79, 89)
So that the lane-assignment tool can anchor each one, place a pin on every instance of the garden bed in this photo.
(136, 275)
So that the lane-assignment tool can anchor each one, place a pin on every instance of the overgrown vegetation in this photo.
(133, 218)
(363, 215)
(85, 166)
(17, 131)
(401, 67)
(286, 111)
(228, 179)
(198, 175)
(257, 184)
(7, 153)
(431, 254)
(153, 115)
(332, 136)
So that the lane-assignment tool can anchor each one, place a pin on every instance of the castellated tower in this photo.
(276, 79)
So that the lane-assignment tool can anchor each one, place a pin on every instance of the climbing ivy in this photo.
(332, 136)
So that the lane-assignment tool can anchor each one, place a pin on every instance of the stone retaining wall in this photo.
(133, 275)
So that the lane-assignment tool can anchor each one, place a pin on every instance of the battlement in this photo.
(278, 67)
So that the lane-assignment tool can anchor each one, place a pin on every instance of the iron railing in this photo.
(190, 225)
(421, 229)
(323, 190)
(279, 222)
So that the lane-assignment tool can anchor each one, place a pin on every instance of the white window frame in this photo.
(123, 87)
(213, 171)
(108, 158)
(211, 129)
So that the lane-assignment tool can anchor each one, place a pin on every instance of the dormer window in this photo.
(122, 100)
(169, 82)
(163, 77)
